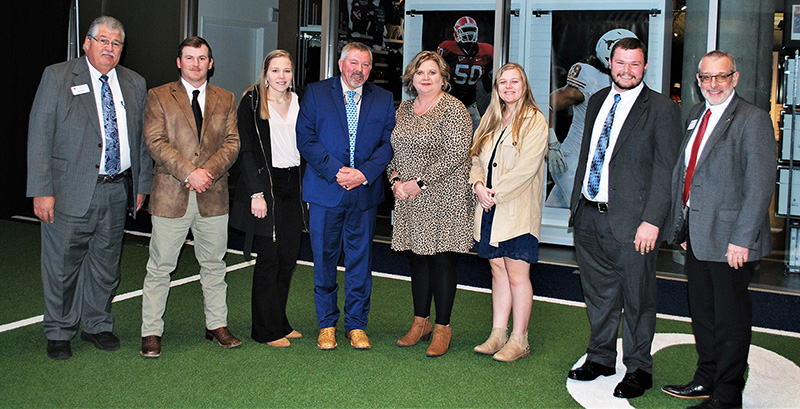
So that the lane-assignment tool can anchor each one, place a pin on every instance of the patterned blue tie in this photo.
(110, 124)
(600, 152)
(352, 124)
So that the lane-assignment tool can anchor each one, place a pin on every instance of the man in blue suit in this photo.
(343, 132)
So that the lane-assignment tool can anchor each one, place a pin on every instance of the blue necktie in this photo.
(110, 125)
(352, 124)
(600, 152)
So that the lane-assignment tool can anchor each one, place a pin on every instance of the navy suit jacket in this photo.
(323, 140)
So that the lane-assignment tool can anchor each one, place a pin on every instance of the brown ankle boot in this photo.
(420, 330)
(441, 341)
(517, 347)
(497, 339)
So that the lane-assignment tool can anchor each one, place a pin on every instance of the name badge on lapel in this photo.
(80, 89)
(692, 124)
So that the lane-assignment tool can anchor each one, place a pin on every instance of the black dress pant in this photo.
(721, 311)
(277, 258)
(434, 276)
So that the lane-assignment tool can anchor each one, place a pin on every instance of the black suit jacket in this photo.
(640, 166)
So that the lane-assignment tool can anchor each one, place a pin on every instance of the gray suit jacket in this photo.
(65, 141)
(640, 166)
(732, 185)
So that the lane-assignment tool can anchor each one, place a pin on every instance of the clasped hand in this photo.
(485, 196)
(350, 178)
(199, 180)
(407, 190)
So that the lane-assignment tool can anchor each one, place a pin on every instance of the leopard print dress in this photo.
(434, 147)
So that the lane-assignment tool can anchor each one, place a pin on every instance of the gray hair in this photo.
(716, 55)
(355, 46)
(110, 22)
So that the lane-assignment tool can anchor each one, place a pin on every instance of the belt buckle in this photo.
(602, 207)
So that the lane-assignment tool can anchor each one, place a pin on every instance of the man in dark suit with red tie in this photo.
(620, 205)
(722, 186)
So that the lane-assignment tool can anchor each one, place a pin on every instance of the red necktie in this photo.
(698, 139)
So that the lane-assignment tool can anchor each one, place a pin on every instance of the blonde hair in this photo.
(492, 120)
(262, 85)
(413, 66)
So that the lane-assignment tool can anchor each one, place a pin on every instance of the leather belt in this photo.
(601, 207)
(109, 179)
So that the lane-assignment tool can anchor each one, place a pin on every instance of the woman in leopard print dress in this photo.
(433, 201)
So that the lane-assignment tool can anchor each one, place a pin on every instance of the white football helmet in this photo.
(466, 30)
(603, 48)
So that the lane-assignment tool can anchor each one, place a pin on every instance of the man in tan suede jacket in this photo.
(190, 131)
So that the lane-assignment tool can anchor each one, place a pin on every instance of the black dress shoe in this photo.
(714, 403)
(634, 384)
(589, 371)
(689, 391)
(59, 350)
(105, 341)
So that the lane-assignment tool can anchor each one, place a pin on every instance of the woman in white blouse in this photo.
(267, 205)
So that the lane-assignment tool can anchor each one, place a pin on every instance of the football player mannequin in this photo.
(583, 80)
(470, 62)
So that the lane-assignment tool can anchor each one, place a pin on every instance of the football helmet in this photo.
(466, 30)
(606, 42)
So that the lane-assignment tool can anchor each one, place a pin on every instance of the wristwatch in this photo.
(421, 183)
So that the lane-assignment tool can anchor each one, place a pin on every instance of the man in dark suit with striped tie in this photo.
(619, 207)
(85, 149)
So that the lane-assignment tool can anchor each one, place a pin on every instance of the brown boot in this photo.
(497, 339)
(420, 330)
(441, 341)
(517, 347)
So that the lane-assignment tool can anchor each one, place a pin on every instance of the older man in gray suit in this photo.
(722, 186)
(86, 159)
(620, 206)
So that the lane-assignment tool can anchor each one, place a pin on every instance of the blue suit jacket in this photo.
(322, 139)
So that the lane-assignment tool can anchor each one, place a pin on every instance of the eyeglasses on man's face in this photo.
(105, 42)
(721, 78)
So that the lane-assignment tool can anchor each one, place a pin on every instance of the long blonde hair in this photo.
(262, 85)
(492, 120)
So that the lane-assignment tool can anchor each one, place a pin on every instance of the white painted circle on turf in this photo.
(768, 373)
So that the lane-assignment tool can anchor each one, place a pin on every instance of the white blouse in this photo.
(283, 138)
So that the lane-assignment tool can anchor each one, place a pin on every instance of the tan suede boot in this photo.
(441, 341)
(420, 330)
(497, 339)
(517, 347)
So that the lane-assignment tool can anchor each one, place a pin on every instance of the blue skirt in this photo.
(525, 247)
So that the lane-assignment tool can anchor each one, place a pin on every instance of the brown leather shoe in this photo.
(327, 338)
(280, 343)
(294, 335)
(441, 341)
(151, 346)
(358, 339)
(420, 330)
(223, 337)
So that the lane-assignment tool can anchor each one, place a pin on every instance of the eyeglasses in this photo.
(721, 78)
(104, 42)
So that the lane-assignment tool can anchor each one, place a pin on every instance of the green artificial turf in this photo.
(193, 372)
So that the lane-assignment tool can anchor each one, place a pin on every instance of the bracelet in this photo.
(394, 180)
(259, 195)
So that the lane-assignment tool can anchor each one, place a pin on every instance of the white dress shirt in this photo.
(283, 139)
(713, 119)
(122, 118)
(627, 98)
